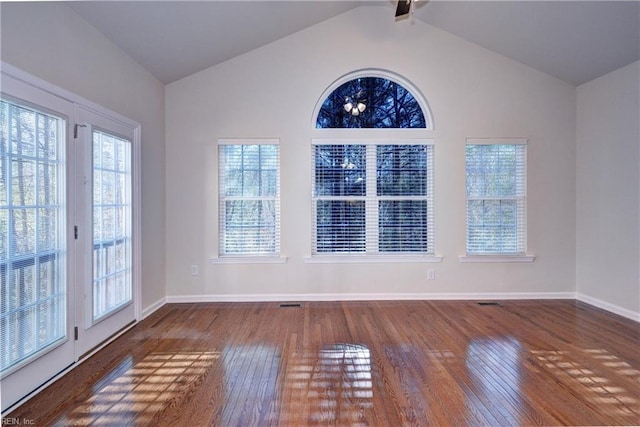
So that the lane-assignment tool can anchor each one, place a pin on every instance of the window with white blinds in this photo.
(496, 197)
(249, 195)
(32, 248)
(372, 197)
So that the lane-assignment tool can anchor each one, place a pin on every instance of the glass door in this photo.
(112, 284)
(36, 324)
(68, 239)
(105, 229)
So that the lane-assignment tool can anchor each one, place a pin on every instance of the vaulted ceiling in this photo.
(575, 41)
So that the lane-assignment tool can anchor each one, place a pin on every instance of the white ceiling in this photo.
(575, 41)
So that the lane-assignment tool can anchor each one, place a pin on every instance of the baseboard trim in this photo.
(616, 309)
(148, 311)
(368, 297)
(629, 314)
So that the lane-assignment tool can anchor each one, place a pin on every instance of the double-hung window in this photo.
(496, 197)
(249, 197)
(373, 197)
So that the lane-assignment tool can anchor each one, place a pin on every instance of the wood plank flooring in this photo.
(409, 363)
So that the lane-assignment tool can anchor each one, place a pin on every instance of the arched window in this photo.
(370, 102)
(372, 196)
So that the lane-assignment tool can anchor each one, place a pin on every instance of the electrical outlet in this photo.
(431, 274)
(194, 271)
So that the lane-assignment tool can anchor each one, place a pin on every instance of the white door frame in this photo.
(92, 334)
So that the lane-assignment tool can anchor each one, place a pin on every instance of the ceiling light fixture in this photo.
(355, 107)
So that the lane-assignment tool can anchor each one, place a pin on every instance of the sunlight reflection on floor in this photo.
(494, 366)
(589, 368)
(139, 390)
(331, 386)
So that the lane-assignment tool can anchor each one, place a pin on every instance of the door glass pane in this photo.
(111, 223)
(33, 287)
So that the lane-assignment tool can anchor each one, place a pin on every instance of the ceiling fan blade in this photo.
(404, 7)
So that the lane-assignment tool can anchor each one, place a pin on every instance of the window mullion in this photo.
(9, 188)
(371, 208)
(10, 250)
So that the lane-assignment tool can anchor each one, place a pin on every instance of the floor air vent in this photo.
(290, 304)
(489, 303)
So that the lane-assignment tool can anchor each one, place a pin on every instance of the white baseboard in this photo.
(629, 314)
(153, 307)
(367, 297)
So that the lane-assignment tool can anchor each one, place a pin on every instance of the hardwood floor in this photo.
(358, 363)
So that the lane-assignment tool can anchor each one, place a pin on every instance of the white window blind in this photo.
(372, 197)
(249, 195)
(32, 261)
(496, 197)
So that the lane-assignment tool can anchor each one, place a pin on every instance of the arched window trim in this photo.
(380, 73)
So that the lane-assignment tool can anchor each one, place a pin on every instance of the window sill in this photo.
(497, 258)
(267, 259)
(375, 259)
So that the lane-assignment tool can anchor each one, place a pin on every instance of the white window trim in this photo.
(384, 74)
(493, 257)
(373, 141)
(497, 141)
(249, 141)
(496, 258)
(250, 259)
(271, 258)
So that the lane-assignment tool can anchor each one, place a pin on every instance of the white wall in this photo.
(608, 190)
(272, 91)
(52, 42)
